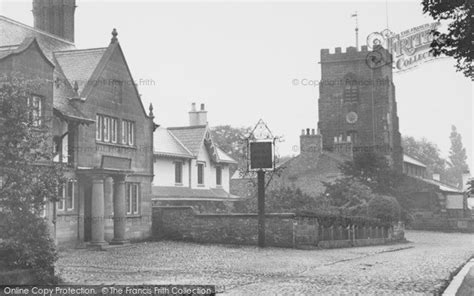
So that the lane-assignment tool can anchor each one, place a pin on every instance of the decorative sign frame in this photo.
(261, 149)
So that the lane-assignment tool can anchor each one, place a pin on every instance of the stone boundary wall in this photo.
(282, 230)
(444, 224)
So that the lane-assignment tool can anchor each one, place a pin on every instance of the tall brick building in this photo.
(357, 103)
(99, 128)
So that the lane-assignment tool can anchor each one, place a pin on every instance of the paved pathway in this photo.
(417, 268)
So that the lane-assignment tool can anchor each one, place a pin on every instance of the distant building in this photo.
(190, 169)
(99, 126)
(413, 167)
(306, 171)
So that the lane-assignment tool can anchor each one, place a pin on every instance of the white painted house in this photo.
(188, 165)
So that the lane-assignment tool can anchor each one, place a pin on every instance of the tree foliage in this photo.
(348, 194)
(29, 182)
(457, 41)
(457, 157)
(385, 208)
(426, 152)
(373, 170)
(232, 141)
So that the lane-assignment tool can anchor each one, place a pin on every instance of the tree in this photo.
(373, 170)
(29, 181)
(232, 141)
(457, 156)
(457, 41)
(470, 188)
(426, 152)
(385, 208)
(349, 195)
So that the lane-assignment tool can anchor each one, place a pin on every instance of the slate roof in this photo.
(79, 65)
(411, 160)
(171, 192)
(186, 142)
(13, 32)
(166, 144)
(190, 136)
(441, 186)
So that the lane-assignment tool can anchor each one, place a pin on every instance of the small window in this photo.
(98, 127)
(218, 176)
(200, 174)
(35, 107)
(128, 132)
(43, 210)
(70, 195)
(106, 129)
(178, 172)
(113, 130)
(61, 197)
(133, 206)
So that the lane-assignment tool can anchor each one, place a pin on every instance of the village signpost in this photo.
(261, 148)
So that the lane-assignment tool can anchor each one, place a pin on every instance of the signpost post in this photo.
(261, 155)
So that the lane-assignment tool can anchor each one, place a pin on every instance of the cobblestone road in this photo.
(416, 268)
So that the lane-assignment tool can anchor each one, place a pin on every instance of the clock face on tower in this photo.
(351, 117)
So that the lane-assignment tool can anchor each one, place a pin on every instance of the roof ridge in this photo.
(80, 50)
(187, 127)
(35, 29)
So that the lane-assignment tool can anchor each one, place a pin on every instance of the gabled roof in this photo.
(9, 50)
(13, 32)
(411, 160)
(166, 144)
(79, 65)
(187, 141)
(191, 137)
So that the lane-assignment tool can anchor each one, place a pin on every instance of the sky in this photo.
(240, 58)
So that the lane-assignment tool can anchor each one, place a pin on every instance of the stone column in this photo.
(97, 237)
(120, 218)
(108, 207)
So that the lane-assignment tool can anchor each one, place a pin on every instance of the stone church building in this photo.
(99, 126)
(357, 113)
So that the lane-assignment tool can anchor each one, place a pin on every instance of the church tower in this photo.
(357, 102)
(55, 17)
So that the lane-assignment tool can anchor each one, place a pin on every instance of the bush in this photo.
(385, 208)
(30, 245)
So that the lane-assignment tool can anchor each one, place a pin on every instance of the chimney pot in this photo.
(202, 107)
(193, 107)
(302, 132)
(307, 131)
(312, 132)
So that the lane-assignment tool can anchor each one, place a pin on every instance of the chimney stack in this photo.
(55, 17)
(311, 144)
(197, 117)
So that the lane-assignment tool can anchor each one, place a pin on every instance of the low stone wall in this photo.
(282, 230)
(444, 224)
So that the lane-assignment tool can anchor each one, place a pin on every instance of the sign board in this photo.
(455, 202)
(261, 155)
